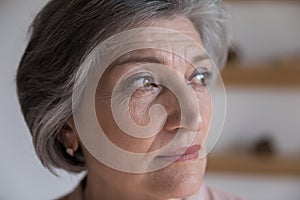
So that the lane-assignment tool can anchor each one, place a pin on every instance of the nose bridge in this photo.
(182, 106)
(190, 112)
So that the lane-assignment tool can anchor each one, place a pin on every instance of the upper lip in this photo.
(183, 151)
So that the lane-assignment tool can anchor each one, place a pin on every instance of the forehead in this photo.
(165, 57)
(177, 35)
(180, 24)
(159, 45)
(187, 47)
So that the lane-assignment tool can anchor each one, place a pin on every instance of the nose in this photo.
(182, 107)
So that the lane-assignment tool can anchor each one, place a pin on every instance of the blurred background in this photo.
(258, 154)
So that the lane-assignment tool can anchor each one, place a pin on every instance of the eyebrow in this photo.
(140, 59)
(153, 59)
(200, 58)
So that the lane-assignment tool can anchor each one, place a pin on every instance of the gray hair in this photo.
(62, 35)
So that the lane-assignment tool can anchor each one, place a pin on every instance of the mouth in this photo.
(184, 154)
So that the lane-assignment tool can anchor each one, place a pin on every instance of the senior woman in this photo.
(143, 48)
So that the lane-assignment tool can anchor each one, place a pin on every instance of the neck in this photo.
(98, 189)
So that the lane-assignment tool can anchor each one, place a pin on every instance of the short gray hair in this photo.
(62, 35)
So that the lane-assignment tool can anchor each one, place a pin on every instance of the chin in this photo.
(186, 186)
(178, 180)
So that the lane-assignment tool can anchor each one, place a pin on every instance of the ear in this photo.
(68, 136)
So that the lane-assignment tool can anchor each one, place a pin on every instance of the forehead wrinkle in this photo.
(165, 57)
(138, 56)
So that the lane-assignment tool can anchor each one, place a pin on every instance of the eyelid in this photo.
(200, 70)
(207, 76)
(129, 80)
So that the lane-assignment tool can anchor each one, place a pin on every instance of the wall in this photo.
(21, 174)
(253, 113)
(262, 31)
(23, 177)
(265, 29)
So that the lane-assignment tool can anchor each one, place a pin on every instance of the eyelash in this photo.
(139, 89)
(153, 88)
(147, 87)
(206, 77)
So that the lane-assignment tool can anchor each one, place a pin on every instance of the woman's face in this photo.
(181, 178)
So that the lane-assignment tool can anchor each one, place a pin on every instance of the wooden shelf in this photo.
(264, 75)
(251, 164)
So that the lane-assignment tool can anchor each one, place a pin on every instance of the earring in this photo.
(70, 152)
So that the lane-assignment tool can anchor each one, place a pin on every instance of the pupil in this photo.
(146, 83)
(201, 78)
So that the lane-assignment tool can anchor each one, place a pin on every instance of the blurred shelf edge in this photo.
(284, 74)
(253, 164)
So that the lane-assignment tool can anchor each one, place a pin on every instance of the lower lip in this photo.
(182, 158)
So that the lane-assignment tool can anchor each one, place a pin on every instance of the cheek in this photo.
(138, 111)
(205, 107)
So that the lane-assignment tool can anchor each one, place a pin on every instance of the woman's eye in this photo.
(200, 78)
(143, 82)
(145, 86)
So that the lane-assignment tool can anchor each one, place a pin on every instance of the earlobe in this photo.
(70, 152)
(69, 138)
